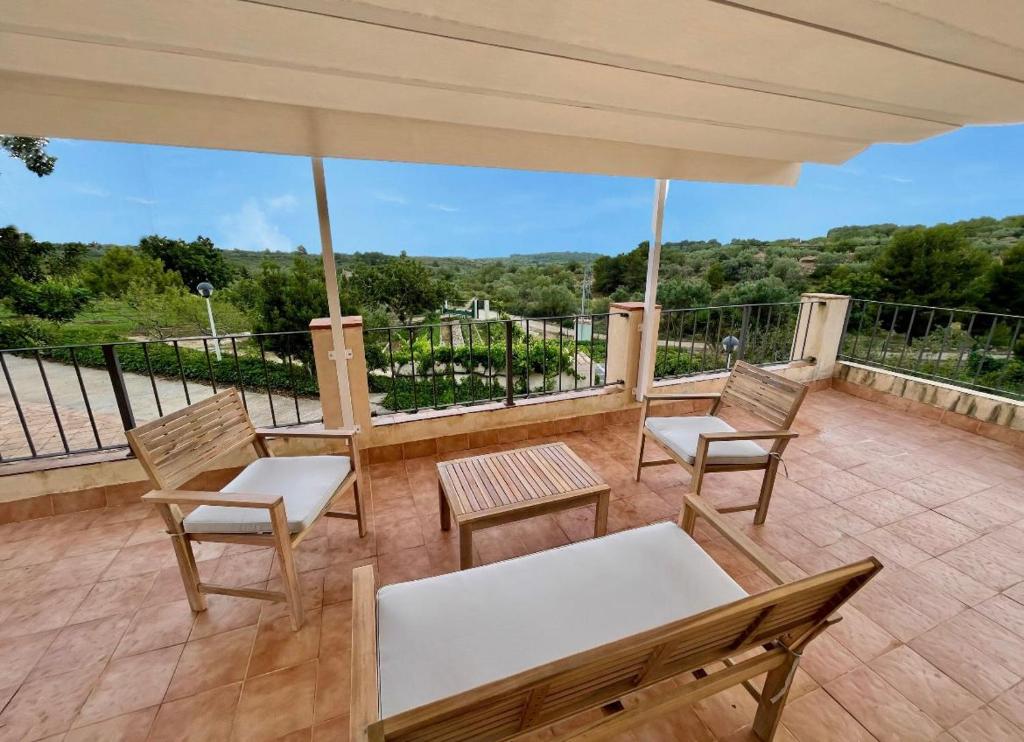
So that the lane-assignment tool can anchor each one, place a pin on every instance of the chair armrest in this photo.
(693, 506)
(750, 435)
(224, 499)
(364, 710)
(682, 396)
(286, 433)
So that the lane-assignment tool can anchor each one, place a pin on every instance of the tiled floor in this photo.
(97, 642)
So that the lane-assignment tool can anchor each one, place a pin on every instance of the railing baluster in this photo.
(433, 368)
(53, 405)
(17, 406)
(874, 329)
(970, 341)
(124, 405)
(529, 364)
(561, 338)
(152, 378)
(394, 373)
(238, 374)
(984, 354)
(291, 379)
(509, 371)
(412, 367)
(907, 339)
(1009, 353)
(181, 372)
(924, 343)
(209, 365)
(451, 364)
(85, 399)
(266, 377)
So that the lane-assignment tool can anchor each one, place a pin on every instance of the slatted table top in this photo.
(519, 478)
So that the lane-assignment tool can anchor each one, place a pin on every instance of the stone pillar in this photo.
(624, 334)
(819, 334)
(320, 329)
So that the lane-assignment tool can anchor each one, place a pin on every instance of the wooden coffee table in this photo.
(496, 488)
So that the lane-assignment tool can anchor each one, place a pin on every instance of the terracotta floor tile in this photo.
(332, 730)
(987, 725)
(42, 611)
(276, 703)
(46, 706)
(244, 569)
(139, 559)
(1006, 612)
(838, 485)
(158, 626)
(931, 690)
(980, 513)
(893, 549)
(114, 597)
(928, 498)
(984, 675)
(18, 655)
(1011, 705)
(82, 645)
(277, 646)
(817, 716)
(932, 532)
(208, 663)
(133, 727)
(76, 571)
(129, 684)
(987, 561)
(953, 582)
(881, 708)
(864, 638)
(826, 659)
(225, 613)
(205, 716)
(103, 538)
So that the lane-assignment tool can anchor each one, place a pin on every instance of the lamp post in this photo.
(205, 290)
(729, 344)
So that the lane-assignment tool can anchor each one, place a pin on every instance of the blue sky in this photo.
(118, 192)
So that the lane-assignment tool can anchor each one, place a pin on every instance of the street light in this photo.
(205, 290)
(729, 344)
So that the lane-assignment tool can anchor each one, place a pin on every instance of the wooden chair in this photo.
(728, 644)
(274, 501)
(702, 444)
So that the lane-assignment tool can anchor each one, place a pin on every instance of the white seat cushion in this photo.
(305, 482)
(681, 433)
(444, 635)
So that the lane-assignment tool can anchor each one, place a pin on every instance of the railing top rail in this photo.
(498, 321)
(740, 306)
(237, 336)
(938, 309)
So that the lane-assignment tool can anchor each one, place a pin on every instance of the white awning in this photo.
(693, 89)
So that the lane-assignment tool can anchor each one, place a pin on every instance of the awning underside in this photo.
(694, 89)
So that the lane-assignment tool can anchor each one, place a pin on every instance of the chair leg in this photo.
(767, 485)
(769, 713)
(640, 454)
(183, 553)
(359, 508)
(289, 574)
(189, 571)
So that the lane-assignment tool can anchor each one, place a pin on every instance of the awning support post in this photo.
(645, 374)
(333, 296)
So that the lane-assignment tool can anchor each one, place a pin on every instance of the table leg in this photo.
(446, 512)
(465, 547)
(601, 517)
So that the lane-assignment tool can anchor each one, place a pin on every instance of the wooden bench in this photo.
(432, 691)
(274, 501)
(702, 444)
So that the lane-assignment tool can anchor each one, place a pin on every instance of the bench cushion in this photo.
(305, 482)
(680, 434)
(443, 635)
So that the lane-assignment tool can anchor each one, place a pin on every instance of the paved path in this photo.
(73, 412)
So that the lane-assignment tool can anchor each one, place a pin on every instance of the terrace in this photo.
(911, 444)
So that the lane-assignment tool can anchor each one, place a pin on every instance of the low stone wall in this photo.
(993, 417)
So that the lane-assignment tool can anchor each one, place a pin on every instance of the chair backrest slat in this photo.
(769, 396)
(178, 446)
(540, 696)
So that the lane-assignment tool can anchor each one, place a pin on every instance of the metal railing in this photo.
(435, 366)
(704, 340)
(963, 347)
(70, 399)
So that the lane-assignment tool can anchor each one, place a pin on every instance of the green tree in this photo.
(1006, 282)
(715, 276)
(763, 291)
(934, 265)
(177, 312)
(195, 261)
(53, 299)
(403, 285)
(31, 151)
(684, 293)
(119, 267)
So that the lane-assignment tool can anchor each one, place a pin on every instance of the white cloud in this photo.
(284, 202)
(897, 179)
(250, 229)
(140, 200)
(442, 207)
